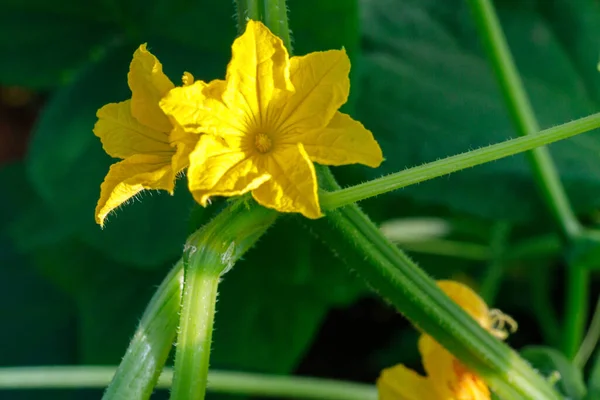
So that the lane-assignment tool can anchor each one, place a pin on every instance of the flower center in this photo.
(263, 143)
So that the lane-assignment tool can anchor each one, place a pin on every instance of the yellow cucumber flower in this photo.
(447, 378)
(268, 122)
(137, 131)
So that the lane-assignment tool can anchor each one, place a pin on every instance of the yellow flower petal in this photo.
(401, 383)
(448, 376)
(344, 141)
(468, 300)
(148, 85)
(293, 183)
(127, 178)
(185, 143)
(322, 86)
(198, 108)
(259, 68)
(123, 136)
(218, 170)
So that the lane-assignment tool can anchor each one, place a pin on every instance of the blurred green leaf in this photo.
(38, 322)
(43, 50)
(427, 92)
(272, 303)
(66, 163)
(594, 379)
(549, 361)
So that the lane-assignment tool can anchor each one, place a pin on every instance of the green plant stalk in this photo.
(209, 253)
(331, 200)
(391, 273)
(492, 278)
(576, 312)
(590, 341)
(523, 117)
(149, 348)
(541, 163)
(82, 377)
(247, 9)
(387, 270)
(275, 12)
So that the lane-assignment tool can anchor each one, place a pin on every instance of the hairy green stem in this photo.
(275, 12)
(338, 198)
(83, 377)
(386, 269)
(543, 168)
(209, 254)
(520, 109)
(148, 350)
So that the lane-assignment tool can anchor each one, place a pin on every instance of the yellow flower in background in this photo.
(268, 122)
(447, 378)
(137, 131)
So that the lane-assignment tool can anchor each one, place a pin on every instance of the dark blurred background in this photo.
(72, 293)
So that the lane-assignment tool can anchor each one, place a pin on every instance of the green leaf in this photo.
(272, 303)
(428, 92)
(554, 365)
(66, 163)
(38, 321)
(43, 50)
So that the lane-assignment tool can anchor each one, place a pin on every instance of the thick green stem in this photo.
(195, 334)
(148, 350)
(277, 21)
(411, 176)
(520, 109)
(397, 279)
(210, 253)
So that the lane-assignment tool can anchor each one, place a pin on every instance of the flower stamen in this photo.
(262, 142)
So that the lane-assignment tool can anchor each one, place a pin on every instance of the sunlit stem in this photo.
(411, 176)
(209, 254)
(148, 350)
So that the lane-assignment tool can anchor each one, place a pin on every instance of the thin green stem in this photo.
(148, 350)
(590, 341)
(493, 274)
(387, 270)
(449, 248)
(576, 311)
(209, 254)
(83, 377)
(411, 176)
(520, 109)
(541, 303)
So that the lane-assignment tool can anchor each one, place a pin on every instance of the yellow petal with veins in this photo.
(293, 183)
(123, 136)
(127, 178)
(218, 170)
(198, 109)
(148, 85)
(401, 383)
(257, 73)
(343, 141)
(322, 86)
